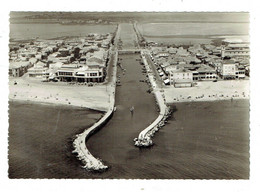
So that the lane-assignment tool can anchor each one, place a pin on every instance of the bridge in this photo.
(129, 51)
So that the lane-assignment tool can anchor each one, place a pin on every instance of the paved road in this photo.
(159, 80)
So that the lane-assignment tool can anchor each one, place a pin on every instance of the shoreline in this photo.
(95, 97)
(207, 100)
(28, 100)
(21, 101)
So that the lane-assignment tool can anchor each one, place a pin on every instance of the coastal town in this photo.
(85, 61)
(100, 71)
(183, 67)
(211, 72)
(80, 60)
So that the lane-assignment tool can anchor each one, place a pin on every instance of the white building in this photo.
(181, 78)
(235, 50)
(92, 72)
(39, 70)
(228, 69)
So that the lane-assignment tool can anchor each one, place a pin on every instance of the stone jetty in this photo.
(79, 144)
(144, 138)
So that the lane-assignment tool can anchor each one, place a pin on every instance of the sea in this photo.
(204, 140)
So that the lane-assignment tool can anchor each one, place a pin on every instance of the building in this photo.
(228, 69)
(206, 72)
(64, 52)
(39, 70)
(67, 72)
(195, 75)
(53, 68)
(235, 50)
(162, 54)
(181, 78)
(169, 68)
(241, 72)
(19, 68)
(92, 72)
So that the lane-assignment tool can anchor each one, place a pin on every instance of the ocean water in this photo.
(40, 139)
(208, 140)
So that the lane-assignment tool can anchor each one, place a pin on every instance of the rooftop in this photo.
(17, 64)
(228, 62)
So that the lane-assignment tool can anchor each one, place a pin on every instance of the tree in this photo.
(76, 52)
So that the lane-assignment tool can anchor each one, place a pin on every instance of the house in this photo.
(33, 60)
(18, 68)
(207, 73)
(181, 78)
(228, 69)
(216, 51)
(95, 59)
(39, 70)
(235, 50)
(64, 52)
(172, 50)
(162, 54)
(241, 72)
(195, 75)
(169, 68)
(182, 52)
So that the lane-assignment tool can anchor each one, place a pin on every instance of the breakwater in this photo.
(144, 138)
(89, 161)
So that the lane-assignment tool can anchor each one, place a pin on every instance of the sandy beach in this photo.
(96, 97)
(209, 91)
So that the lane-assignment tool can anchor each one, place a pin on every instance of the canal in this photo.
(117, 147)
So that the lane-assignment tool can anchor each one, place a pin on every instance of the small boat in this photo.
(114, 109)
(132, 109)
